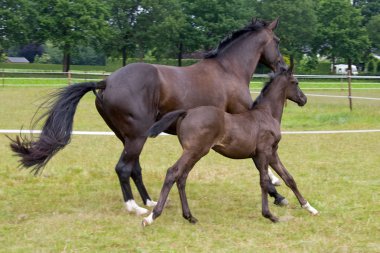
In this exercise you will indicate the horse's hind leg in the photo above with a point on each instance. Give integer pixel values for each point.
(137, 179)
(290, 182)
(126, 168)
(129, 166)
(278, 198)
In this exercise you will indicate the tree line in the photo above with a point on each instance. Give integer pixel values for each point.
(341, 30)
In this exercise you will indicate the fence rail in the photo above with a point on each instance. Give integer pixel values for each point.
(13, 77)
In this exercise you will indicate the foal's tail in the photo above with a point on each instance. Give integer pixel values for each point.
(56, 131)
(165, 122)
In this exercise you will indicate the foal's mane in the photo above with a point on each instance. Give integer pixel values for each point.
(272, 77)
(255, 25)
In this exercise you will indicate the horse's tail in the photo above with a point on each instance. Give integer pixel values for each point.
(56, 131)
(165, 122)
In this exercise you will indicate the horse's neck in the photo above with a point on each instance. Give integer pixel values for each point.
(242, 58)
(274, 100)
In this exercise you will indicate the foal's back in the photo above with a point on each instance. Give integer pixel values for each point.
(236, 136)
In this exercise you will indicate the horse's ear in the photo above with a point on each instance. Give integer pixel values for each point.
(254, 20)
(273, 25)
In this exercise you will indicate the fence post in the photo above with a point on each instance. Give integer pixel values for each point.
(69, 78)
(349, 88)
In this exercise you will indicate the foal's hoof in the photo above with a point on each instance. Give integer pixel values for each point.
(281, 202)
(144, 223)
(274, 219)
(147, 220)
(192, 219)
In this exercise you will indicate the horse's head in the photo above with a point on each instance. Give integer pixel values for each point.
(271, 56)
(292, 89)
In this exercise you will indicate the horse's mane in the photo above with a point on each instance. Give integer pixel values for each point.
(255, 25)
(272, 76)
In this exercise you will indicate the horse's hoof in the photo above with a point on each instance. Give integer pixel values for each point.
(151, 203)
(281, 202)
(276, 182)
(141, 211)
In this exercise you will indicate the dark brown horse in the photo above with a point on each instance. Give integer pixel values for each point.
(134, 97)
(252, 134)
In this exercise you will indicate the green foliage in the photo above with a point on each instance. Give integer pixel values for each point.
(67, 23)
(340, 34)
(371, 66)
(373, 28)
(169, 28)
(297, 27)
(308, 64)
(18, 23)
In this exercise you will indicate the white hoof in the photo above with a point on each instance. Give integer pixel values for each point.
(132, 207)
(311, 209)
(151, 203)
(284, 202)
(147, 220)
(274, 180)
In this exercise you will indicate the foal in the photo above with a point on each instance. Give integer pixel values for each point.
(253, 134)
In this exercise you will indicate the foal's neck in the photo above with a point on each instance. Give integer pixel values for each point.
(273, 98)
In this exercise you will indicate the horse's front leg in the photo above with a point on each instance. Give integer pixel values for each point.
(276, 164)
(261, 163)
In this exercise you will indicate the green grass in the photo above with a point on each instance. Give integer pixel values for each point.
(76, 205)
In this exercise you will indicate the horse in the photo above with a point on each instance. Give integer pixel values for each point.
(132, 98)
(252, 134)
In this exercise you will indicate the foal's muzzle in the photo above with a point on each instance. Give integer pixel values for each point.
(302, 101)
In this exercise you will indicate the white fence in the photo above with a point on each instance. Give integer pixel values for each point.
(30, 78)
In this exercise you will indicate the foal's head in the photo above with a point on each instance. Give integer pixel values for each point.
(291, 87)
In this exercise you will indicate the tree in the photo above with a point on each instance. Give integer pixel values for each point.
(369, 8)
(373, 28)
(297, 27)
(340, 31)
(67, 23)
(17, 23)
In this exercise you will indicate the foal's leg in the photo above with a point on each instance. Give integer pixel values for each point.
(183, 165)
(290, 182)
(181, 182)
(171, 176)
(261, 163)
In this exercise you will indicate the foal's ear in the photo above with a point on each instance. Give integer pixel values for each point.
(254, 20)
(290, 69)
(273, 25)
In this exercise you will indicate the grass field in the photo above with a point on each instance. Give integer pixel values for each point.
(76, 205)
